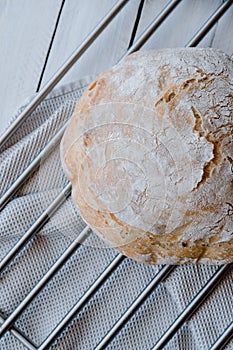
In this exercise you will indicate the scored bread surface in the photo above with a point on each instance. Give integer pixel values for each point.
(149, 153)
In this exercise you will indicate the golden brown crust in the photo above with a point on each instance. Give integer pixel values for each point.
(149, 153)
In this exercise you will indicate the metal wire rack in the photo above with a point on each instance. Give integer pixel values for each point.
(8, 323)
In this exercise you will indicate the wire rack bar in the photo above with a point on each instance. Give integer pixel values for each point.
(159, 277)
(44, 280)
(209, 23)
(18, 334)
(79, 305)
(192, 307)
(152, 27)
(43, 218)
(32, 167)
(62, 71)
(222, 341)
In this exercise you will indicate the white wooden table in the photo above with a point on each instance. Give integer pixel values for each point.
(36, 37)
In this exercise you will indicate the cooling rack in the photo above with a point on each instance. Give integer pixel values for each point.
(8, 323)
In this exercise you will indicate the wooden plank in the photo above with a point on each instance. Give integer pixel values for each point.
(26, 28)
(77, 20)
(180, 26)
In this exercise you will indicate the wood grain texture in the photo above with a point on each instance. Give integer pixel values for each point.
(180, 25)
(78, 19)
(26, 28)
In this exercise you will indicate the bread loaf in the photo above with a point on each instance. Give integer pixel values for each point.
(149, 153)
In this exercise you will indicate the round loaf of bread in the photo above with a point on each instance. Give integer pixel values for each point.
(149, 153)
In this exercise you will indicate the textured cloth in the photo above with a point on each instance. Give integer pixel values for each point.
(150, 321)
